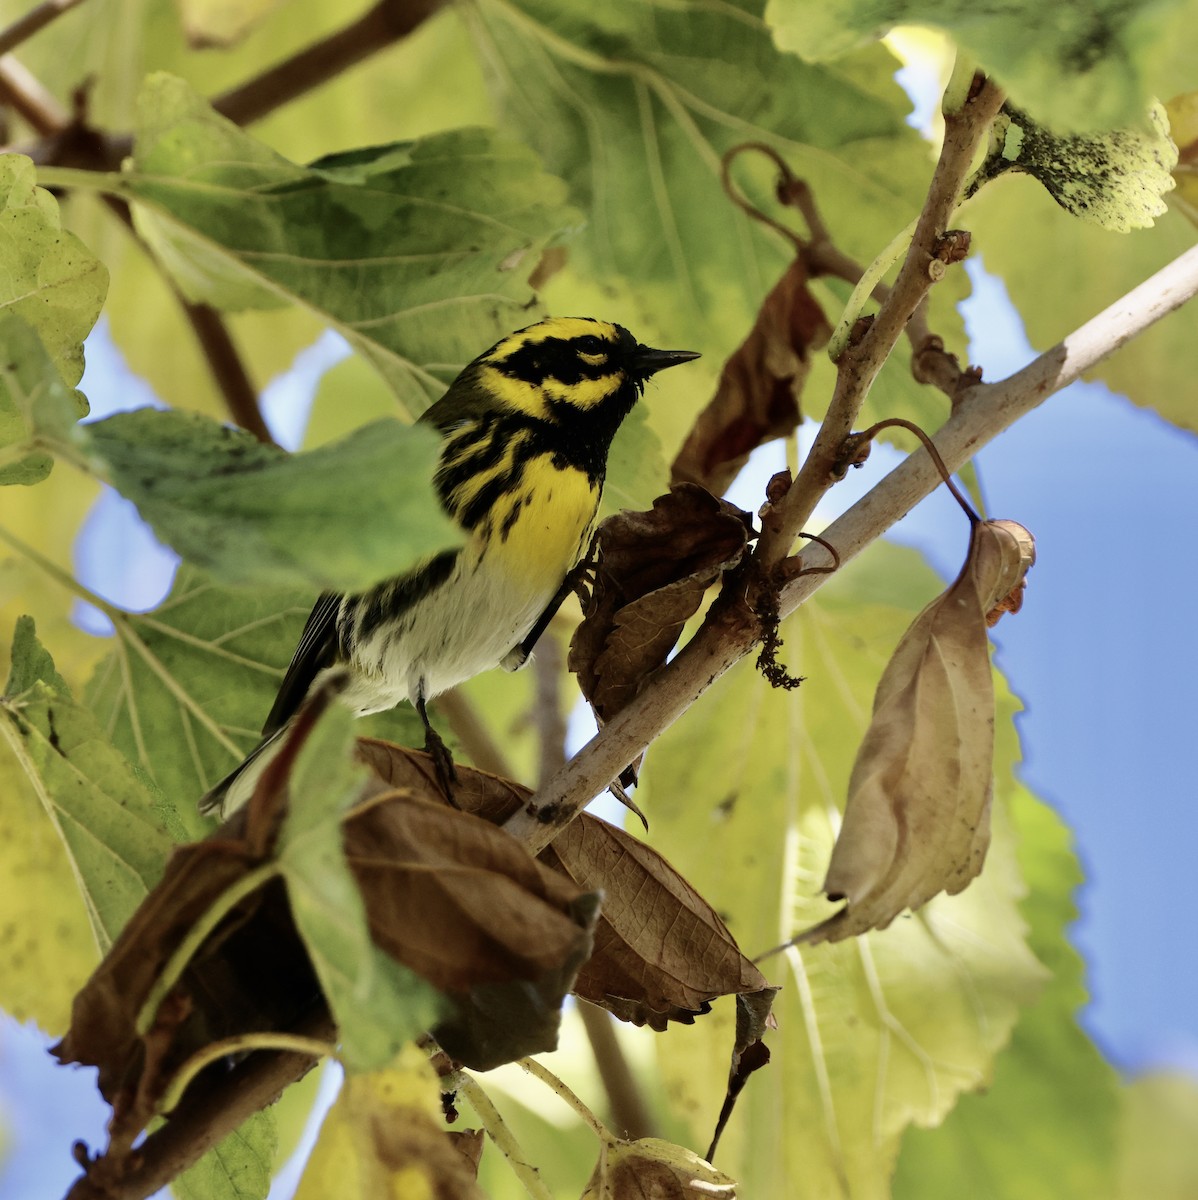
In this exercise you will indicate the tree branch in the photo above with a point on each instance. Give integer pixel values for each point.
(862, 360)
(730, 631)
(212, 1108)
(36, 19)
(388, 22)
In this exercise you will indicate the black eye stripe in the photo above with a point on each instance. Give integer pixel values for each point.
(558, 358)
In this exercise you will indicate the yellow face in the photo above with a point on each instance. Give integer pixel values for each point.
(563, 360)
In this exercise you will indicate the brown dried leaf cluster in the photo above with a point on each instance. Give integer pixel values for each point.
(917, 819)
(757, 398)
(652, 571)
(450, 896)
(661, 952)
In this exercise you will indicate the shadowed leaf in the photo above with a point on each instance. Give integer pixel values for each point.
(653, 570)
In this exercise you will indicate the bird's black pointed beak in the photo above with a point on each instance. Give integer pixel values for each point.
(646, 361)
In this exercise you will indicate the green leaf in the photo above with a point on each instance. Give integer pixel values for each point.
(1093, 66)
(102, 810)
(48, 277)
(1046, 1128)
(1018, 234)
(419, 253)
(378, 1005)
(1158, 1155)
(1115, 179)
(339, 518)
(47, 948)
(634, 105)
(37, 410)
(239, 1168)
(874, 1035)
(187, 687)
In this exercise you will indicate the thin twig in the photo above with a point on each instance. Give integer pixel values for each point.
(731, 631)
(548, 664)
(211, 1109)
(499, 1133)
(22, 91)
(226, 364)
(36, 19)
(388, 22)
(629, 1113)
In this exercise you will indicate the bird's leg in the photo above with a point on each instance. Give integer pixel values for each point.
(437, 750)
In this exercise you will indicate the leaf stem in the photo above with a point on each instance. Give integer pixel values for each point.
(500, 1134)
(241, 1044)
(65, 578)
(197, 935)
(870, 278)
(564, 1093)
(33, 21)
(111, 183)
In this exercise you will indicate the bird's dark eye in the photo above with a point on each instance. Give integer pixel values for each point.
(589, 344)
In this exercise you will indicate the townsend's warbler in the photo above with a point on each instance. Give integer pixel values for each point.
(527, 427)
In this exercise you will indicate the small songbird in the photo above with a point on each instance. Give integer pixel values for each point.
(526, 431)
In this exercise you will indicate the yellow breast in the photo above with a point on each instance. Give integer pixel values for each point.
(540, 530)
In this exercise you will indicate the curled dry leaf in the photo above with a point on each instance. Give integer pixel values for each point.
(652, 1169)
(917, 819)
(653, 569)
(448, 896)
(661, 952)
(757, 399)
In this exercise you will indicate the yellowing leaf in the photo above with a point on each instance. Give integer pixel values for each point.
(877, 1033)
(382, 1138)
(48, 277)
(917, 820)
(1183, 125)
(1115, 179)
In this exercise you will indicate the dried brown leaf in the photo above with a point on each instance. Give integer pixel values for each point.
(653, 570)
(661, 952)
(757, 398)
(448, 895)
(652, 1169)
(917, 819)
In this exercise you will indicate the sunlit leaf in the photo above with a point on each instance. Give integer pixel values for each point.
(1046, 1127)
(383, 1137)
(48, 277)
(239, 1168)
(1115, 179)
(1017, 229)
(378, 1005)
(1093, 66)
(403, 249)
(89, 792)
(37, 409)
(47, 947)
(646, 99)
(186, 687)
(875, 1034)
